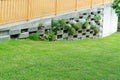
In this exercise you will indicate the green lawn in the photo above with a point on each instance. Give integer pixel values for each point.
(97, 59)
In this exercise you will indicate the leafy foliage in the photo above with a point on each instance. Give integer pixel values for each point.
(41, 26)
(72, 31)
(50, 35)
(78, 26)
(97, 17)
(95, 28)
(68, 26)
(116, 6)
(58, 24)
(34, 36)
(86, 24)
(62, 22)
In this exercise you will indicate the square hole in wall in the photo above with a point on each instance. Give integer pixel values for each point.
(47, 30)
(33, 32)
(98, 12)
(87, 36)
(94, 34)
(84, 13)
(81, 17)
(24, 30)
(83, 33)
(88, 30)
(14, 36)
(91, 32)
(75, 36)
(92, 13)
(92, 19)
(59, 36)
(71, 18)
(65, 31)
(80, 31)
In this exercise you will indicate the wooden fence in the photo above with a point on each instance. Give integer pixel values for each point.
(18, 10)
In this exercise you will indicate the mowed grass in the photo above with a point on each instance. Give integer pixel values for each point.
(97, 59)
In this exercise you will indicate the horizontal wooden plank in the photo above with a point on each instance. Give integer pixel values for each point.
(18, 10)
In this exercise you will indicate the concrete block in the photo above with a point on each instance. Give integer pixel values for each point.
(65, 35)
(7, 37)
(79, 35)
(79, 31)
(59, 32)
(75, 37)
(41, 32)
(16, 31)
(92, 16)
(83, 37)
(66, 15)
(46, 21)
(34, 23)
(70, 37)
(82, 12)
(24, 35)
(24, 26)
(59, 37)
(91, 36)
(4, 33)
(32, 29)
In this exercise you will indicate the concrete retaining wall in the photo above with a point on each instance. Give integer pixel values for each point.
(14, 30)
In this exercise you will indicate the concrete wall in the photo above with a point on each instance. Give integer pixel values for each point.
(110, 21)
(108, 27)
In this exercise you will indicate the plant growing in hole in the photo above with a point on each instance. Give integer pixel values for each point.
(82, 21)
(72, 31)
(24, 30)
(34, 36)
(97, 18)
(50, 35)
(89, 16)
(41, 26)
(62, 23)
(57, 25)
(86, 25)
(72, 22)
(68, 26)
(95, 29)
(78, 25)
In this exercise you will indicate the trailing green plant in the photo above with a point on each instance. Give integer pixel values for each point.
(50, 35)
(72, 31)
(116, 7)
(41, 26)
(82, 21)
(86, 25)
(97, 17)
(72, 22)
(24, 30)
(62, 23)
(68, 26)
(34, 36)
(95, 29)
(57, 24)
(89, 16)
(78, 26)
